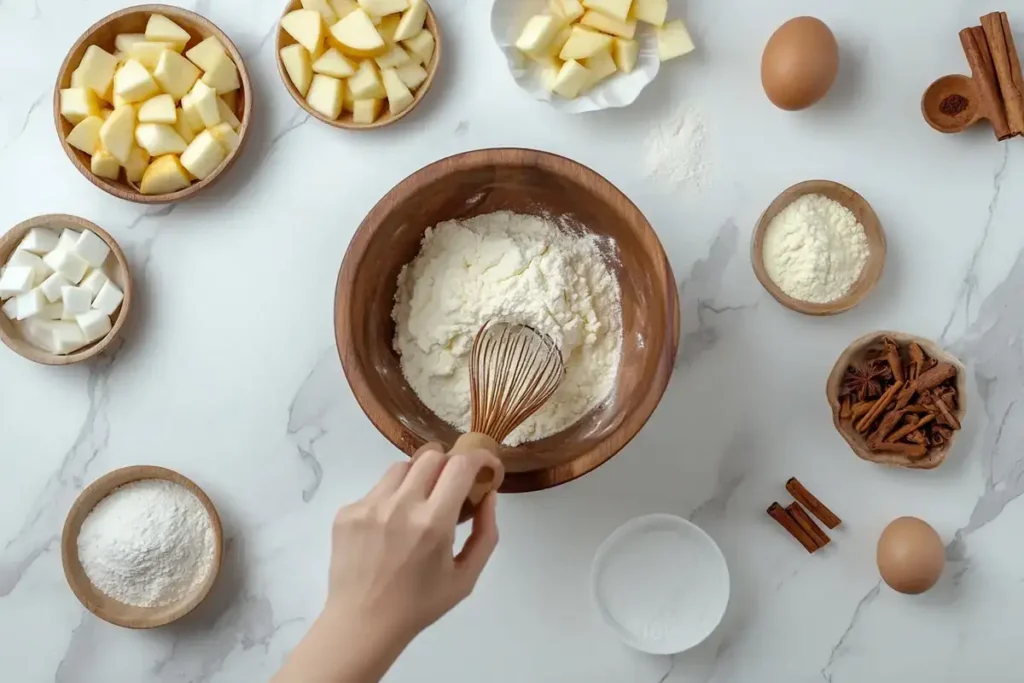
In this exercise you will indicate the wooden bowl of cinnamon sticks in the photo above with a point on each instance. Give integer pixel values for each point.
(898, 399)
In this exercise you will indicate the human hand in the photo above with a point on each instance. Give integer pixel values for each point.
(393, 568)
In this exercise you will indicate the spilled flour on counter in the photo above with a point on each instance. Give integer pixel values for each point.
(675, 151)
(519, 269)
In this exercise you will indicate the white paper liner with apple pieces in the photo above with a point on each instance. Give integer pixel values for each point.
(508, 17)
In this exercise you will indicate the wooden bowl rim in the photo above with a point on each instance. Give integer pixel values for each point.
(860, 345)
(347, 124)
(392, 428)
(75, 574)
(9, 242)
(869, 277)
(123, 190)
(930, 115)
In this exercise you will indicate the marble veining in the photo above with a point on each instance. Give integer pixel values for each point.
(228, 371)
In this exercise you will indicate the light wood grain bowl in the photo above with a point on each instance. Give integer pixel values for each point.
(522, 181)
(102, 605)
(953, 84)
(345, 121)
(858, 443)
(116, 267)
(865, 216)
(133, 20)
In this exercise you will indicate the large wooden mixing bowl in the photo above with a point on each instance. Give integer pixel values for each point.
(522, 181)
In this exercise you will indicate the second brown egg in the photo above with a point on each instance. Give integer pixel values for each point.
(799, 63)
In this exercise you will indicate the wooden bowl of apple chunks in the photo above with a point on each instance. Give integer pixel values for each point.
(579, 43)
(358, 64)
(65, 287)
(152, 104)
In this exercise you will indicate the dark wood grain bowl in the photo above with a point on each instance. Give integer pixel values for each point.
(857, 441)
(103, 606)
(133, 20)
(345, 121)
(522, 181)
(116, 267)
(865, 215)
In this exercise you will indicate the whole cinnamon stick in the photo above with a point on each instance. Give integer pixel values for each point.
(881, 404)
(805, 498)
(807, 524)
(1000, 45)
(908, 428)
(779, 514)
(911, 450)
(947, 414)
(984, 75)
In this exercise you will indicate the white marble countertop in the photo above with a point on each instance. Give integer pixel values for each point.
(229, 373)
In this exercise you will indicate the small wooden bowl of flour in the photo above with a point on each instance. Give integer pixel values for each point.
(852, 290)
(115, 535)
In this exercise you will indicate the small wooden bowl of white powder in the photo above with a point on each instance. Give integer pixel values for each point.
(818, 248)
(142, 546)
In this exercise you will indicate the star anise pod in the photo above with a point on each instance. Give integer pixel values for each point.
(864, 379)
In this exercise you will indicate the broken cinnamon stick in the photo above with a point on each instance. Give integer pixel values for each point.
(779, 514)
(911, 450)
(888, 423)
(819, 537)
(999, 46)
(984, 75)
(905, 430)
(947, 414)
(881, 404)
(815, 506)
(860, 409)
(844, 407)
(892, 356)
(916, 360)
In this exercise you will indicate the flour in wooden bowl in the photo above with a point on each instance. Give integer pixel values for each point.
(516, 268)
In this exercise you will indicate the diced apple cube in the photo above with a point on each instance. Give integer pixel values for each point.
(323, 8)
(538, 33)
(616, 9)
(333, 63)
(96, 70)
(223, 75)
(175, 74)
(226, 136)
(366, 111)
(626, 53)
(297, 65)
(203, 156)
(204, 98)
(393, 58)
(605, 24)
(203, 54)
(306, 26)
(673, 40)
(325, 96)
(399, 96)
(164, 176)
(190, 114)
(117, 133)
(159, 139)
(133, 83)
(549, 76)
(366, 84)
(650, 11)
(600, 66)
(584, 42)
(227, 114)
(382, 8)
(343, 8)
(357, 36)
(412, 21)
(388, 26)
(412, 75)
(105, 165)
(123, 41)
(159, 109)
(421, 45)
(77, 104)
(161, 29)
(148, 54)
(86, 135)
(138, 161)
(572, 79)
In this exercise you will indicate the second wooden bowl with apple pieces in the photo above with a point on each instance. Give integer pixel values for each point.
(130, 24)
(339, 59)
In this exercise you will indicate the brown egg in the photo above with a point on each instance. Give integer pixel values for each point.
(799, 63)
(911, 556)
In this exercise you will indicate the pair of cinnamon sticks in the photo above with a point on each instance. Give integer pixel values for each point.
(995, 66)
(798, 523)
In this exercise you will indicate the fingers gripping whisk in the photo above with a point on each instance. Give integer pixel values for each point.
(514, 370)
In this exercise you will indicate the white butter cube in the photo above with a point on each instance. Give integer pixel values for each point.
(76, 300)
(16, 280)
(10, 309)
(68, 239)
(91, 248)
(95, 325)
(94, 281)
(26, 259)
(109, 298)
(30, 304)
(67, 337)
(38, 333)
(67, 263)
(52, 285)
(39, 241)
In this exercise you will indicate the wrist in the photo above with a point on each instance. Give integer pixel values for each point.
(362, 647)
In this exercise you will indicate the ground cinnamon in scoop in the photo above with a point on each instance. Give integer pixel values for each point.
(952, 105)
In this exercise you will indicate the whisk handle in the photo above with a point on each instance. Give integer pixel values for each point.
(491, 472)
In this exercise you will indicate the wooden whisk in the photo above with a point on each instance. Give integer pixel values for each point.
(513, 371)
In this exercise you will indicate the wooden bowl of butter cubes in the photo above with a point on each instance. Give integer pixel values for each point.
(578, 44)
(65, 287)
(360, 64)
(152, 104)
